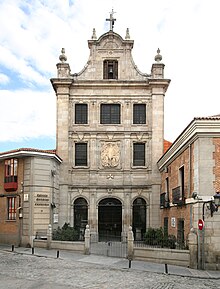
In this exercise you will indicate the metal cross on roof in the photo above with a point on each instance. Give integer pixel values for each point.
(112, 20)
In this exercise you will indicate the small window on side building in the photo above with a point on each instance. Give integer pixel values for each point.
(11, 208)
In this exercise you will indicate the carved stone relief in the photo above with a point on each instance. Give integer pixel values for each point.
(110, 154)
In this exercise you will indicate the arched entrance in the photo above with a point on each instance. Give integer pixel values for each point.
(109, 219)
(139, 218)
(80, 216)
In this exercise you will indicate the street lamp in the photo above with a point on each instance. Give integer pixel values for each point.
(217, 200)
(214, 204)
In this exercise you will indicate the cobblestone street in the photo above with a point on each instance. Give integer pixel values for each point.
(30, 271)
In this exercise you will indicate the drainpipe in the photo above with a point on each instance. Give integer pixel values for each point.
(189, 186)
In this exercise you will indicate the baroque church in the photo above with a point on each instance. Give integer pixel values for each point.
(110, 135)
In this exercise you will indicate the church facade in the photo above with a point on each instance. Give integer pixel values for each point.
(110, 133)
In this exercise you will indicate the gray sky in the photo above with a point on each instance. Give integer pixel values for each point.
(33, 32)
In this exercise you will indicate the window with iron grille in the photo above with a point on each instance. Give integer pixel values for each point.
(180, 233)
(139, 154)
(11, 208)
(139, 218)
(11, 166)
(139, 114)
(165, 226)
(80, 216)
(110, 114)
(81, 113)
(110, 69)
(81, 154)
(176, 195)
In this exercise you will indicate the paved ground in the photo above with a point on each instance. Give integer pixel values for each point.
(21, 269)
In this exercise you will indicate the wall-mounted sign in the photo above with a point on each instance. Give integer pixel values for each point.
(200, 224)
(42, 200)
(173, 222)
(55, 218)
(25, 197)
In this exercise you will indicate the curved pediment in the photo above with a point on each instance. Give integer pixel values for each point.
(111, 58)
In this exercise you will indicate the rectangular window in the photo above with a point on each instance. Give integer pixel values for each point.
(110, 114)
(11, 208)
(81, 154)
(139, 154)
(139, 114)
(110, 69)
(81, 113)
(11, 166)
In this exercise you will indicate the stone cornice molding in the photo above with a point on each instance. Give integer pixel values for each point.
(29, 153)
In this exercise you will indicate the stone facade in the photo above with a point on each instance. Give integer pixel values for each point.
(190, 167)
(110, 178)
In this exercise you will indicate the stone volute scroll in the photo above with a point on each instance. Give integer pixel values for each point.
(110, 154)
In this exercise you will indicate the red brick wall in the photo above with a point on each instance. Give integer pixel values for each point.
(178, 212)
(9, 230)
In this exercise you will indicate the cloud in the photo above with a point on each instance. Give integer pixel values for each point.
(33, 32)
(27, 114)
(4, 79)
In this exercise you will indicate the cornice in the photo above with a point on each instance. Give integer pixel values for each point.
(29, 153)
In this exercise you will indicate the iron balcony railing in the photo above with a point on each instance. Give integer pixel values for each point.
(164, 201)
(178, 196)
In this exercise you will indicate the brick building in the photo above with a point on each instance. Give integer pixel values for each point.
(28, 189)
(190, 171)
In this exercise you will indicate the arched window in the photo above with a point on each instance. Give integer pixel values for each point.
(80, 216)
(139, 218)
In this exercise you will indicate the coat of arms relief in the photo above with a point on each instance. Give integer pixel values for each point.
(110, 154)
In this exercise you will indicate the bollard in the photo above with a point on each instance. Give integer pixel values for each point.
(166, 269)
(58, 254)
(108, 248)
(12, 248)
(32, 250)
(129, 264)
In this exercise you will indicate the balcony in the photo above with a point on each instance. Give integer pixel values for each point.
(11, 183)
(178, 196)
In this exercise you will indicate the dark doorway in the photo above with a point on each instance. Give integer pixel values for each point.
(180, 233)
(139, 218)
(110, 219)
(80, 216)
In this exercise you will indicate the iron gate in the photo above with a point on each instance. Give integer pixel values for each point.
(111, 246)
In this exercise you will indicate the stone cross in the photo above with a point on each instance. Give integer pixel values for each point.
(112, 20)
